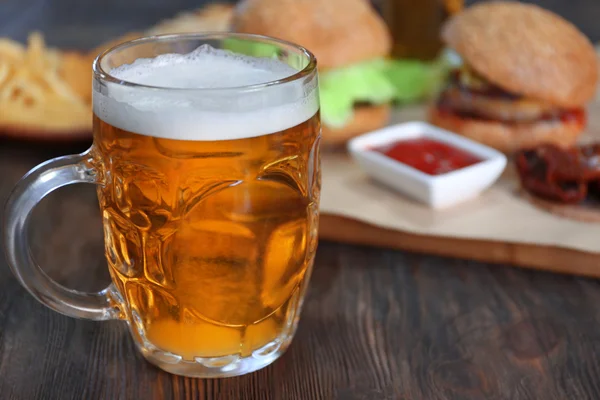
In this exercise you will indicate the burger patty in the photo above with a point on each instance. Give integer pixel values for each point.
(495, 107)
(470, 94)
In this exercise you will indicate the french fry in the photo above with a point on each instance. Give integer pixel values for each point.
(41, 90)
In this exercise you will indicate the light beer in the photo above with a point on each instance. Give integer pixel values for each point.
(209, 203)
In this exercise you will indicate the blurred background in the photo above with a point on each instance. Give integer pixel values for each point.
(81, 24)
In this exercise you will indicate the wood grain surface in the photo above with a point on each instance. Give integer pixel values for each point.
(377, 324)
(546, 258)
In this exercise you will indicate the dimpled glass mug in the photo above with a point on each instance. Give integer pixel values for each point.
(206, 159)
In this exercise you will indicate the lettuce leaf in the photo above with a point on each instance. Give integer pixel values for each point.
(263, 50)
(341, 88)
(250, 48)
(417, 80)
(376, 82)
(412, 80)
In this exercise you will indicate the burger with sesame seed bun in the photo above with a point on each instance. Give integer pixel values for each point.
(357, 79)
(524, 78)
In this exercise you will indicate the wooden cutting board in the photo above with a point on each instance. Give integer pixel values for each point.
(558, 259)
(548, 258)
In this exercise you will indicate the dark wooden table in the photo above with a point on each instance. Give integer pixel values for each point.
(377, 324)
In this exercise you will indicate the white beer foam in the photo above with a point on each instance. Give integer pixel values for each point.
(204, 114)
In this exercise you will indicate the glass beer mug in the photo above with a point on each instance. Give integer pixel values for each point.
(206, 159)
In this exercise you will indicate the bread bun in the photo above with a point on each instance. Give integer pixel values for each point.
(364, 119)
(508, 138)
(525, 50)
(337, 32)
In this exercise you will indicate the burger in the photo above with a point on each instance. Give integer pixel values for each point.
(524, 77)
(357, 79)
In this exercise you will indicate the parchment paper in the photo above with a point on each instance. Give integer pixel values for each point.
(499, 214)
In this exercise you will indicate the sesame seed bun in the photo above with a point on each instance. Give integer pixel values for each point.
(526, 50)
(364, 119)
(508, 138)
(337, 32)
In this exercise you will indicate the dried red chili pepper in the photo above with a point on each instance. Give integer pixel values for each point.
(553, 173)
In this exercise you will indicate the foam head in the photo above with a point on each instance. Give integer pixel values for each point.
(194, 96)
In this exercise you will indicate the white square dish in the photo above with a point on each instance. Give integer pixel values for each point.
(437, 191)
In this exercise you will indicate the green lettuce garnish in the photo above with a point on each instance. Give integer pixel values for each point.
(263, 50)
(342, 87)
(417, 80)
(376, 81)
(412, 80)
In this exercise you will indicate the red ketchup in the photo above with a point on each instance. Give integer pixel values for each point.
(428, 155)
(573, 116)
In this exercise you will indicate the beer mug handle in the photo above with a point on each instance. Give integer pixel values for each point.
(32, 188)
